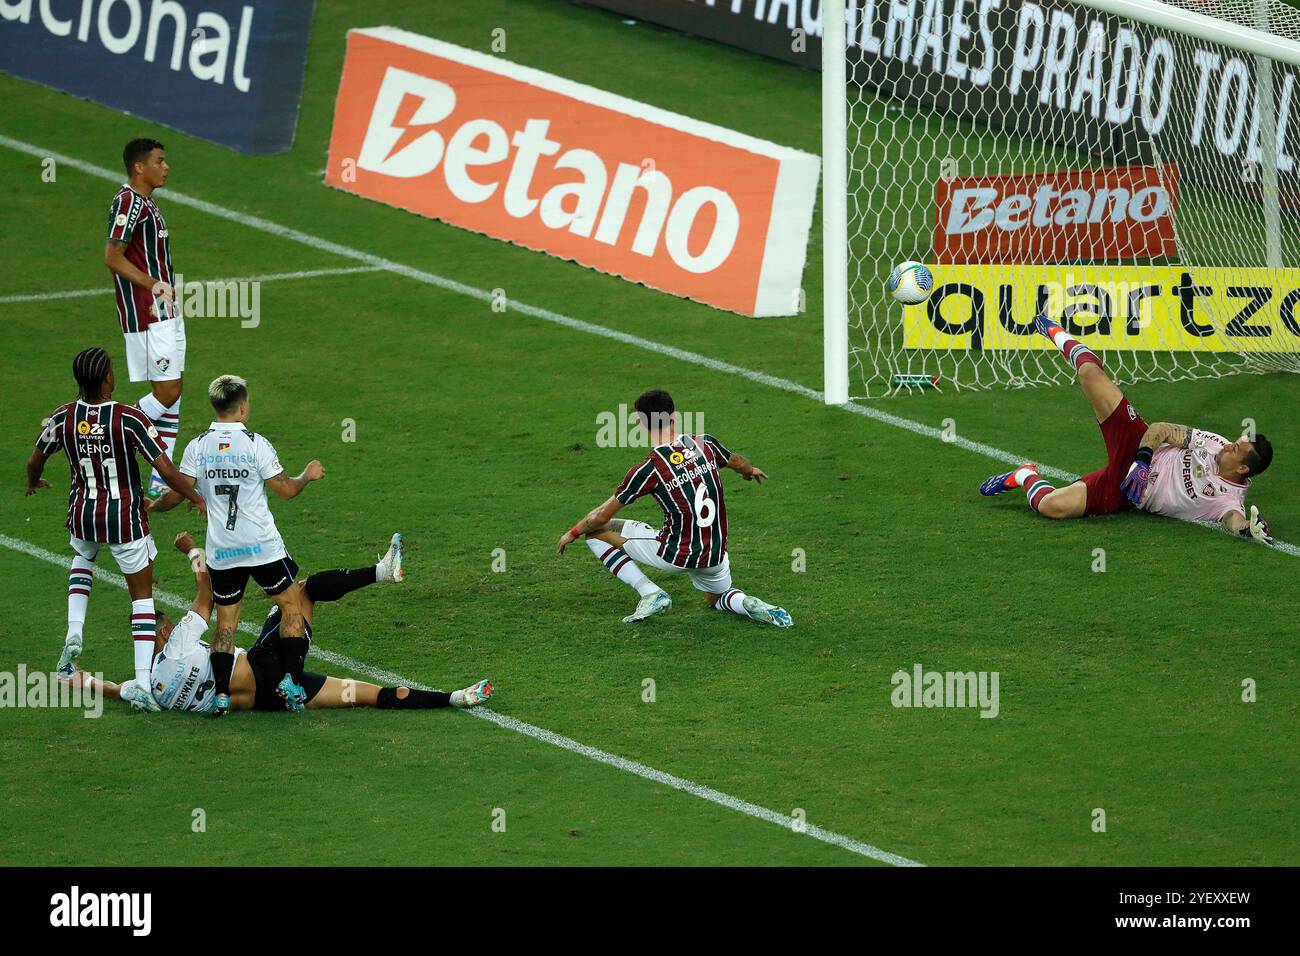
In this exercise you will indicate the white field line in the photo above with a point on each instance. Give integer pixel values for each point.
(107, 289)
(518, 726)
(451, 285)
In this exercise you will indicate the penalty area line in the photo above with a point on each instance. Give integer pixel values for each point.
(725, 800)
(451, 285)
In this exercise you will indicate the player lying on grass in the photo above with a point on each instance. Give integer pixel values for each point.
(682, 474)
(181, 678)
(1165, 469)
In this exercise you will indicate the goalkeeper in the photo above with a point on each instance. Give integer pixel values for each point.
(1162, 468)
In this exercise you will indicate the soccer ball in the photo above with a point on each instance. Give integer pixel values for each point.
(910, 282)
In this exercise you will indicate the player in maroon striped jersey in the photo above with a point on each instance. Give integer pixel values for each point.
(139, 256)
(683, 474)
(101, 439)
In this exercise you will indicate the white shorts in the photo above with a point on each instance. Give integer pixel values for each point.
(643, 548)
(131, 557)
(158, 353)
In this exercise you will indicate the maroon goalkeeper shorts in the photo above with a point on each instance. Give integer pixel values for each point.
(1122, 432)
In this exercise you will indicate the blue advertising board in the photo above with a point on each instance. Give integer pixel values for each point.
(229, 71)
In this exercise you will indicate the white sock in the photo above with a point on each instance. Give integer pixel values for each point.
(80, 581)
(166, 420)
(622, 567)
(151, 406)
(733, 601)
(1022, 475)
(144, 626)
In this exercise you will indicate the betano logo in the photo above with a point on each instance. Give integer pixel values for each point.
(1104, 213)
(567, 169)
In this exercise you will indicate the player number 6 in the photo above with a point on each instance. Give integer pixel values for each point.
(705, 509)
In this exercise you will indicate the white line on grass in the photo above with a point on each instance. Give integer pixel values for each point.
(518, 726)
(451, 285)
(107, 289)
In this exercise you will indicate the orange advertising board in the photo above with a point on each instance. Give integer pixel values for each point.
(686, 207)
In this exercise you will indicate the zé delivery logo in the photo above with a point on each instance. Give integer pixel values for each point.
(530, 158)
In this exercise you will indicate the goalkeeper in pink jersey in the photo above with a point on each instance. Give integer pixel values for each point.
(1165, 469)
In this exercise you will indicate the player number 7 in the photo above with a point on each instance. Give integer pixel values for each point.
(232, 492)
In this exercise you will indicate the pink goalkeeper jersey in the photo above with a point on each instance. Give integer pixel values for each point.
(1185, 482)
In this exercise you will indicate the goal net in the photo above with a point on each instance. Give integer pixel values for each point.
(1130, 168)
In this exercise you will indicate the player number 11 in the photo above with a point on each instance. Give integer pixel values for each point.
(110, 476)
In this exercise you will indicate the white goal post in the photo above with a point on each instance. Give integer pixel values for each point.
(1132, 167)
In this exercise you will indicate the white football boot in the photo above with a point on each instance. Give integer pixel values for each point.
(68, 659)
(472, 696)
(139, 697)
(649, 606)
(760, 610)
(389, 569)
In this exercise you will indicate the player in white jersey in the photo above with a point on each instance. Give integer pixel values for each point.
(182, 677)
(232, 467)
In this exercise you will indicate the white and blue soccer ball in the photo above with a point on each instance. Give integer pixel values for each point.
(910, 283)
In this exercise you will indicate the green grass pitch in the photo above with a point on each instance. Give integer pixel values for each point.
(476, 430)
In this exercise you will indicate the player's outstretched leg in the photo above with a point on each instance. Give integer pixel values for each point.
(1043, 497)
(335, 692)
(756, 609)
(333, 585)
(1104, 394)
(80, 581)
(654, 600)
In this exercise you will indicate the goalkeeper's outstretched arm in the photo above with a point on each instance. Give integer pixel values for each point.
(1234, 522)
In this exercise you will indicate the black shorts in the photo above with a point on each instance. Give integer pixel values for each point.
(264, 659)
(228, 583)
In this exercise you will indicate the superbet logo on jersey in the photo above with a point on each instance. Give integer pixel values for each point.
(1079, 215)
(527, 157)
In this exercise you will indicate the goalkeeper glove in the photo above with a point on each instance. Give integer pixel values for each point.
(1256, 528)
(1135, 482)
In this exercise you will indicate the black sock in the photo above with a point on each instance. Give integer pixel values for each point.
(222, 666)
(332, 585)
(414, 699)
(293, 653)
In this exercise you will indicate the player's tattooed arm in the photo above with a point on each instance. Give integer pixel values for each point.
(286, 487)
(741, 464)
(1166, 433)
(595, 520)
